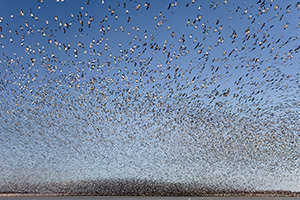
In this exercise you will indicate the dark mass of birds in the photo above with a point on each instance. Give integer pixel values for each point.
(197, 91)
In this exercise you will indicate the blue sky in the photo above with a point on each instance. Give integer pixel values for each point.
(170, 90)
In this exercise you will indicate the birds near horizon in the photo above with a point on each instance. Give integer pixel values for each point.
(171, 80)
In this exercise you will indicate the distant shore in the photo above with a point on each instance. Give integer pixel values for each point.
(254, 194)
(135, 187)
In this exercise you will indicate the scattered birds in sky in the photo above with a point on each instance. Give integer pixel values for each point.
(188, 86)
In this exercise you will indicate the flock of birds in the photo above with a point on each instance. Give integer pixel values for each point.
(179, 91)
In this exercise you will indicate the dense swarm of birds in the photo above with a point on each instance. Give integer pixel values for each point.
(135, 187)
(183, 92)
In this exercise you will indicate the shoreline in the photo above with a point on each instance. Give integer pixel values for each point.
(258, 194)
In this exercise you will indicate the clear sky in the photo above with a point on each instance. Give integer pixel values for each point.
(204, 91)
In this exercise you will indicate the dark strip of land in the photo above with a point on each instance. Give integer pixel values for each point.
(132, 187)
